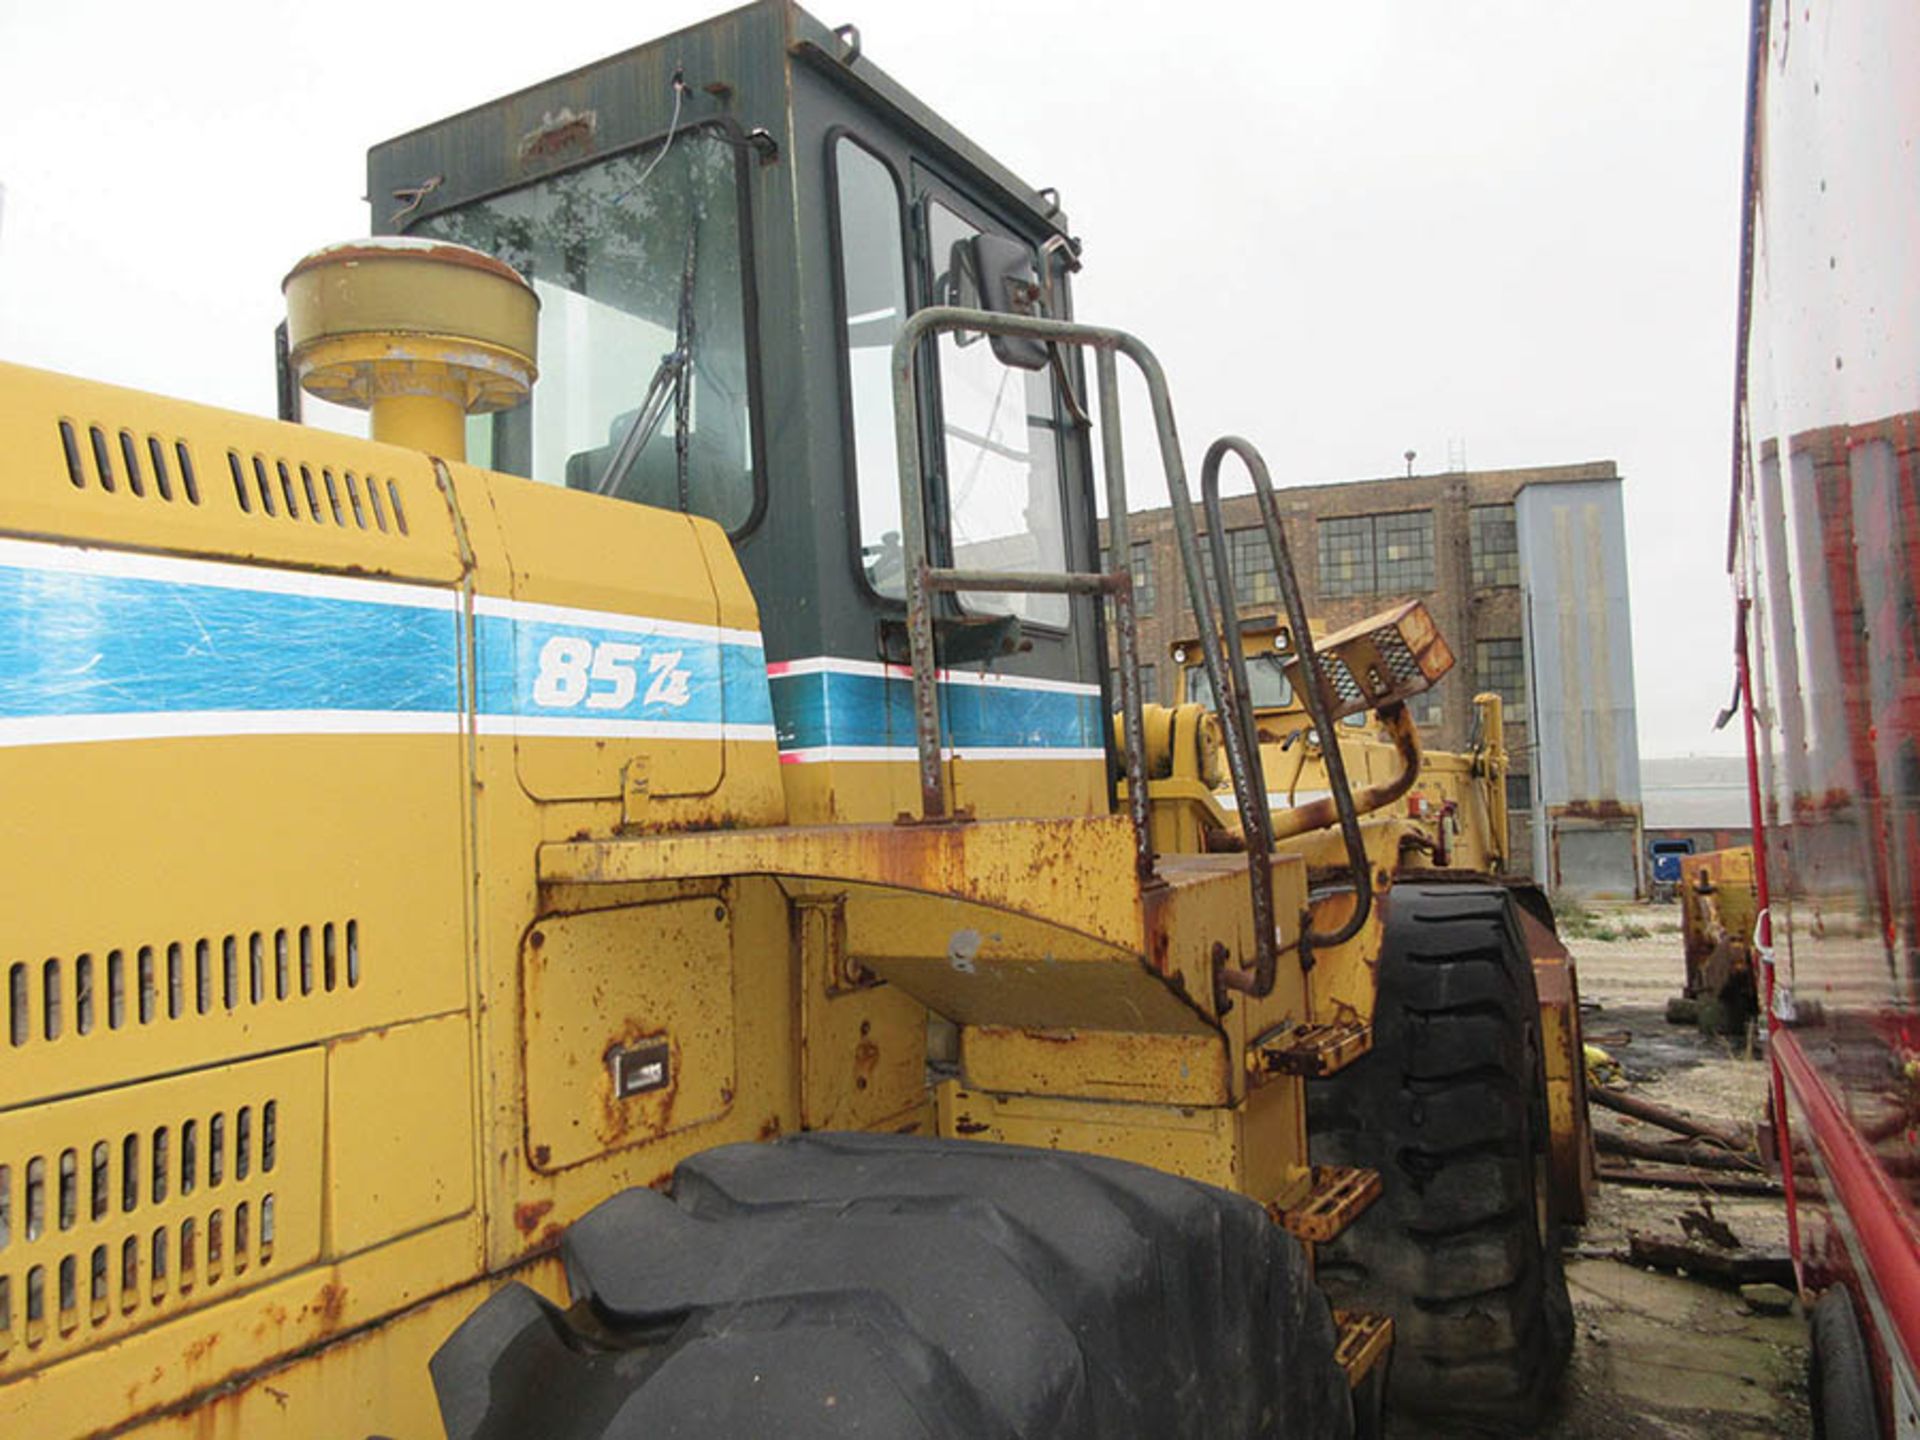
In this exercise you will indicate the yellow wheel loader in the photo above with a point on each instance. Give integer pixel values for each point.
(632, 901)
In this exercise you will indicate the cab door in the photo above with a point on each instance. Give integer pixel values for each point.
(1026, 727)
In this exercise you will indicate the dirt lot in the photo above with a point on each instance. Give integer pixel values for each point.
(1660, 1355)
(1656, 1354)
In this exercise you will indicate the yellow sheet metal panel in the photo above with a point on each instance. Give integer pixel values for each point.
(372, 1383)
(134, 1206)
(223, 1349)
(1273, 1127)
(626, 641)
(399, 1132)
(1188, 1069)
(1201, 1144)
(527, 1208)
(995, 788)
(119, 467)
(173, 903)
(863, 1042)
(628, 1027)
(1082, 869)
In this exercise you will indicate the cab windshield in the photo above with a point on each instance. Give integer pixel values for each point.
(1265, 675)
(643, 391)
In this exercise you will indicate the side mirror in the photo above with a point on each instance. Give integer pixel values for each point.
(993, 272)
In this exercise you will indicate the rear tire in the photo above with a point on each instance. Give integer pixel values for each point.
(1450, 1108)
(891, 1286)
(1840, 1387)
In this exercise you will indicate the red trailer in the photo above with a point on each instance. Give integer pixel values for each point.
(1825, 554)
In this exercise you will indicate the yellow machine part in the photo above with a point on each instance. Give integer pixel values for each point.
(335, 997)
(267, 974)
(1453, 819)
(340, 982)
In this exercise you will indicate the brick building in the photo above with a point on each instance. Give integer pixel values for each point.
(1451, 540)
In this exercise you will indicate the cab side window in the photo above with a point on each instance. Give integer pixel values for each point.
(873, 297)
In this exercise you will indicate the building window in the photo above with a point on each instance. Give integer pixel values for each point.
(1144, 591)
(1519, 792)
(1372, 554)
(1149, 685)
(1501, 666)
(1255, 582)
(1496, 546)
(1425, 708)
(1346, 556)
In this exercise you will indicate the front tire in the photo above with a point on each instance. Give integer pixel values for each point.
(890, 1286)
(1450, 1108)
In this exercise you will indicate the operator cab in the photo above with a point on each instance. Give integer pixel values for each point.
(726, 229)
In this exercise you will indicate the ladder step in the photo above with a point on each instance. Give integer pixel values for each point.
(1339, 1194)
(1314, 1050)
(1363, 1340)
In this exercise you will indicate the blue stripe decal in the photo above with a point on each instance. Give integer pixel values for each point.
(830, 708)
(91, 644)
(195, 638)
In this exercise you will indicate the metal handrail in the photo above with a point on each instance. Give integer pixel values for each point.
(923, 580)
(1313, 691)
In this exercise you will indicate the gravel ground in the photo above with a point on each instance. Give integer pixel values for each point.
(1655, 1354)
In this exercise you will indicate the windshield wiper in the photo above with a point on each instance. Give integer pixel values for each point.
(672, 382)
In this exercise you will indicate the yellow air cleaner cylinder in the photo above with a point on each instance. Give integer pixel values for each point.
(419, 332)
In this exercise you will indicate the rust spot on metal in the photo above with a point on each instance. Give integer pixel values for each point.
(551, 1235)
(1606, 810)
(542, 1155)
(769, 1128)
(1047, 1037)
(329, 1305)
(559, 131)
(383, 248)
(529, 1213)
(967, 1125)
(200, 1349)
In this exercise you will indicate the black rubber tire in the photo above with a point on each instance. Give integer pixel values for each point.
(1450, 1108)
(891, 1286)
(1840, 1387)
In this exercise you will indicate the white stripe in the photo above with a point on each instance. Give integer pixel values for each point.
(538, 613)
(1027, 752)
(831, 664)
(174, 570)
(191, 724)
(571, 727)
(819, 754)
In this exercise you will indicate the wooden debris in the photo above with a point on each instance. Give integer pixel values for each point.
(1677, 1178)
(1674, 1120)
(1734, 1267)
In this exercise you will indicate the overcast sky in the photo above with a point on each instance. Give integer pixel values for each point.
(1506, 229)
